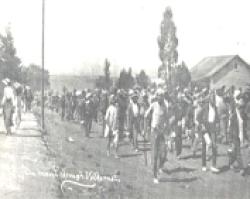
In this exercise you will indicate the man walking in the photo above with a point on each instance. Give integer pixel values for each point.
(158, 112)
(134, 120)
(103, 108)
(234, 129)
(88, 114)
(207, 118)
(63, 104)
(111, 119)
(8, 105)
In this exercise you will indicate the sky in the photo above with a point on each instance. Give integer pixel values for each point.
(80, 34)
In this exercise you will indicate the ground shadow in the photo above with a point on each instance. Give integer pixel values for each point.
(191, 156)
(246, 172)
(179, 169)
(124, 143)
(178, 179)
(129, 155)
(29, 120)
(222, 155)
(25, 135)
(186, 146)
(89, 137)
(144, 149)
(224, 169)
(29, 129)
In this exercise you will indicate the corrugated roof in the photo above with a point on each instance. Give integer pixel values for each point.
(209, 65)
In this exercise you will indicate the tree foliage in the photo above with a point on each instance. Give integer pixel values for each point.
(104, 81)
(107, 74)
(142, 79)
(126, 79)
(167, 42)
(10, 65)
(181, 76)
(99, 82)
(9, 62)
(32, 76)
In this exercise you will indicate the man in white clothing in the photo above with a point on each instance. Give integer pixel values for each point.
(111, 120)
(7, 103)
(158, 112)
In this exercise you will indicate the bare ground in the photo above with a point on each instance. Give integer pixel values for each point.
(181, 178)
(23, 156)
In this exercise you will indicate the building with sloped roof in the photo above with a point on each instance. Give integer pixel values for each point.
(219, 71)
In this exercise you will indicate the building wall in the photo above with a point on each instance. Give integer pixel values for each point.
(203, 83)
(236, 73)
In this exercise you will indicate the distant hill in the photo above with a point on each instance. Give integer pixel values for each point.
(57, 82)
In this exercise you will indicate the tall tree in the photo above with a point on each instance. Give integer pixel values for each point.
(142, 79)
(9, 62)
(167, 42)
(107, 74)
(104, 81)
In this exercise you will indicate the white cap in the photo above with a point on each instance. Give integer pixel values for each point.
(7, 80)
(131, 92)
(159, 91)
(88, 95)
(236, 93)
(4, 82)
(78, 93)
(17, 85)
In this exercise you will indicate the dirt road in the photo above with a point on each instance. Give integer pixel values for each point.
(24, 161)
(181, 178)
(65, 164)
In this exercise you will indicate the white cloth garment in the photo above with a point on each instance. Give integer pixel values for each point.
(240, 122)
(135, 109)
(111, 117)
(218, 101)
(8, 94)
(211, 114)
(159, 115)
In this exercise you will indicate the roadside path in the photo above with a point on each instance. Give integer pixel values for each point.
(23, 157)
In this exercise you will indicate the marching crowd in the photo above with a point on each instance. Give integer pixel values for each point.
(164, 117)
(16, 99)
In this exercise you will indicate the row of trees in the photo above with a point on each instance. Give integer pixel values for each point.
(180, 77)
(174, 74)
(11, 66)
(126, 79)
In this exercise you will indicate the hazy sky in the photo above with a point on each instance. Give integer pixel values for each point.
(81, 33)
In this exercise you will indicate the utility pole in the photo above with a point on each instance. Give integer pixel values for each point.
(43, 23)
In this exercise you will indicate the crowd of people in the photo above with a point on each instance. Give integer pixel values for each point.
(164, 117)
(16, 99)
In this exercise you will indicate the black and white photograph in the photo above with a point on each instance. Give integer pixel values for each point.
(124, 99)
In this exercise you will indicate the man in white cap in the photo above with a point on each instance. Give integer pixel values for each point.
(158, 112)
(134, 120)
(7, 103)
(88, 114)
